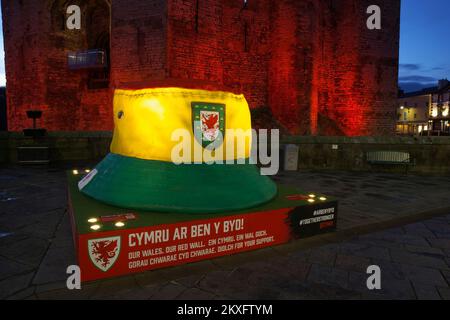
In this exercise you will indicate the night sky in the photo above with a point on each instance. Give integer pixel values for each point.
(424, 44)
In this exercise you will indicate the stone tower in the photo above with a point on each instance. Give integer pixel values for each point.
(313, 63)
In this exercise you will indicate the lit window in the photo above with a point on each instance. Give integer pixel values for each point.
(445, 112)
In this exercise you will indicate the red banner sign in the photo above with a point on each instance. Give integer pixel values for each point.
(115, 253)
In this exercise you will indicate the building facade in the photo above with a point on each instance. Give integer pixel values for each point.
(440, 109)
(413, 112)
(425, 112)
(313, 63)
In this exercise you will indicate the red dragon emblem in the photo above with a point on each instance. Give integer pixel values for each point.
(211, 122)
(104, 252)
(210, 125)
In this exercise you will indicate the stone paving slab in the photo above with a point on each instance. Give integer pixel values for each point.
(295, 275)
(379, 223)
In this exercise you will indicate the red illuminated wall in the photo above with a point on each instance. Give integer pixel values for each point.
(291, 64)
(36, 46)
(313, 63)
(218, 41)
(358, 68)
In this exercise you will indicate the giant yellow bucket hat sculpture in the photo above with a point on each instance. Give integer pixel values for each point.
(140, 173)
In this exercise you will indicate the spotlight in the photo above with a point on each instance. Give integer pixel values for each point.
(311, 200)
(119, 224)
(75, 172)
(93, 220)
(95, 227)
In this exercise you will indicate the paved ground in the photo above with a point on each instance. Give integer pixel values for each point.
(36, 246)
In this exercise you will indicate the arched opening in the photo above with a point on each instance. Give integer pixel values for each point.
(98, 34)
(90, 46)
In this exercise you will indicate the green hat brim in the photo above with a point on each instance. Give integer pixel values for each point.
(166, 187)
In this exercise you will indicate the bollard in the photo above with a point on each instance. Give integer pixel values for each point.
(290, 162)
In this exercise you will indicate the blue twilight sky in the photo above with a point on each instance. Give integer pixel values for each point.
(424, 44)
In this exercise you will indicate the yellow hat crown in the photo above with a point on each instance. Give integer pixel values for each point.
(146, 120)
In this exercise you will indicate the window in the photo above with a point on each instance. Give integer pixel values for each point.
(87, 59)
(405, 116)
(90, 49)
